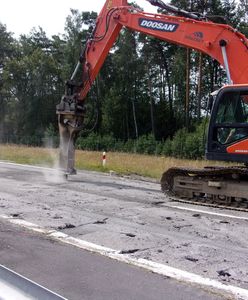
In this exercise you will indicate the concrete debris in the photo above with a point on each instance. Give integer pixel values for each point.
(56, 216)
(15, 215)
(223, 273)
(224, 222)
(182, 226)
(191, 258)
(104, 221)
(186, 244)
(130, 251)
(158, 202)
(196, 215)
(130, 235)
(66, 226)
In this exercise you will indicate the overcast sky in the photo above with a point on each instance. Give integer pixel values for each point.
(20, 16)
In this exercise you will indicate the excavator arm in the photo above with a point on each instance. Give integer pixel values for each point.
(220, 41)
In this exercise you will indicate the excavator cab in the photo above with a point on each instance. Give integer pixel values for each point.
(227, 141)
(228, 127)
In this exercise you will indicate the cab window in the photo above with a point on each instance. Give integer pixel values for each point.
(232, 109)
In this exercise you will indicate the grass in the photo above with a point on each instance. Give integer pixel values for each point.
(122, 163)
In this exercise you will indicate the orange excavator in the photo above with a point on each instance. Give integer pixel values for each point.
(228, 127)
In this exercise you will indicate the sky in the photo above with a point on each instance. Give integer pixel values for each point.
(20, 16)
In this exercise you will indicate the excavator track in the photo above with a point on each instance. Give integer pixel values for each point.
(222, 187)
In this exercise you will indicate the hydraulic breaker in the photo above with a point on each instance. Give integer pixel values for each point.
(70, 113)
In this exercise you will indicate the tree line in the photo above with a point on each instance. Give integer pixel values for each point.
(147, 87)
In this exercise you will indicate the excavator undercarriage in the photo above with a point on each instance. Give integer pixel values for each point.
(217, 186)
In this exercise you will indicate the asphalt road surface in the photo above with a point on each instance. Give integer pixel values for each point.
(128, 214)
(77, 274)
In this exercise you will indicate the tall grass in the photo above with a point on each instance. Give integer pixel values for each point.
(122, 163)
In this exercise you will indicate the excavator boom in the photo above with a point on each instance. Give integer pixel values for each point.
(222, 42)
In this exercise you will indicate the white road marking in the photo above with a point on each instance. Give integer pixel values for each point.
(237, 292)
(207, 212)
(26, 166)
(9, 291)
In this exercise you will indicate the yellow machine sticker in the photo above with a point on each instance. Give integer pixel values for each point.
(110, 4)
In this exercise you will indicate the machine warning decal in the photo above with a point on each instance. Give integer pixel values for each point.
(196, 36)
(158, 25)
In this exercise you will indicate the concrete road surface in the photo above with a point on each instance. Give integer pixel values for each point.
(132, 215)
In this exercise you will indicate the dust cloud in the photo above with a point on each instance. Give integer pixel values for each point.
(54, 174)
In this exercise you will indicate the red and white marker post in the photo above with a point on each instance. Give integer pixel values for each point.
(104, 159)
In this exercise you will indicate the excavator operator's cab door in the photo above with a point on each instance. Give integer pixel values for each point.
(228, 128)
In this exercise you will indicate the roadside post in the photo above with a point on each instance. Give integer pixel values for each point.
(104, 159)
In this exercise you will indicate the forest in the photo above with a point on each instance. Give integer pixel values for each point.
(150, 96)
